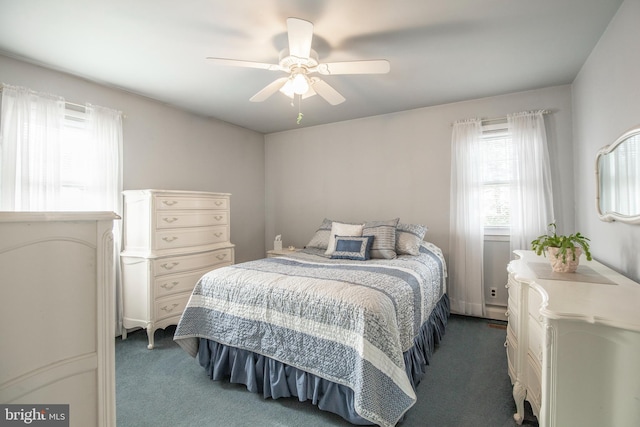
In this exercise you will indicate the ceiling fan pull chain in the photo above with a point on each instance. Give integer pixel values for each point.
(299, 109)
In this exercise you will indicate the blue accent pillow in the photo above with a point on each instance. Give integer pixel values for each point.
(356, 248)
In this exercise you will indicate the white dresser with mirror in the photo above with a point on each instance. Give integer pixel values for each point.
(573, 343)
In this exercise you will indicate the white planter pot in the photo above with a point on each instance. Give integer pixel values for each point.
(561, 266)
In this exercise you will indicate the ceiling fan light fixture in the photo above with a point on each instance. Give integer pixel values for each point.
(287, 88)
(299, 84)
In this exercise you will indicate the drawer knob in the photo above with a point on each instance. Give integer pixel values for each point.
(169, 309)
(506, 313)
(506, 344)
(218, 202)
(170, 220)
(218, 217)
(169, 239)
(169, 286)
(221, 256)
(218, 235)
(169, 266)
(169, 202)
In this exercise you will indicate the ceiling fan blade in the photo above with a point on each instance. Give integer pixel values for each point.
(300, 36)
(269, 90)
(309, 93)
(373, 66)
(247, 64)
(327, 92)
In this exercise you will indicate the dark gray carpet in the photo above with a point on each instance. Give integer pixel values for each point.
(466, 385)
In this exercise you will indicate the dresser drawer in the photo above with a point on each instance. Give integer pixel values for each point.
(513, 318)
(513, 289)
(180, 203)
(535, 304)
(171, 306)
(181, 219)
(190, 237)
(176, 283)
(511, 345)
(187, 263)
(534, 384)
(513, 302)
(535, 339)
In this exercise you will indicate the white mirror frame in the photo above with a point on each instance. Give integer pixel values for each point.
(613, 216)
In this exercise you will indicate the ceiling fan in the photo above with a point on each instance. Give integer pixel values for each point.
(300, 62)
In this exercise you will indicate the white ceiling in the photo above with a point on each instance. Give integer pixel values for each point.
(440, 51)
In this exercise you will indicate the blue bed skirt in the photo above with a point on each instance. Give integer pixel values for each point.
(275, 379)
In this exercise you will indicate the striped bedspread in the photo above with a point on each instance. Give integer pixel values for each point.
(346, 321)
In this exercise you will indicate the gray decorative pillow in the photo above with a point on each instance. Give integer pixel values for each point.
(384, 242)
(408, 238)
(321, 238)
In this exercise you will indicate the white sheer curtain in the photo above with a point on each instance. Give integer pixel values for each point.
(105, 129)
(531, 192)
(466, 246)
(30, 131)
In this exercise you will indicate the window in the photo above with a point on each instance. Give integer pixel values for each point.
(57, 156)
(496, 178)
(75, 169)
(490, 166)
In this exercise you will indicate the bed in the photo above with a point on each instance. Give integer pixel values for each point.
(351, 330)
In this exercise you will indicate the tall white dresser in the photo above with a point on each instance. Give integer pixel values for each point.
(57, 318)
(170, 240)
(573, 343)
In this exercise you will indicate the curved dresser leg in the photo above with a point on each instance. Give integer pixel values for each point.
(519, 393)
(150, 331)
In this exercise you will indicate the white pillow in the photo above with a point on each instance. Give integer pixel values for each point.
(340, 229)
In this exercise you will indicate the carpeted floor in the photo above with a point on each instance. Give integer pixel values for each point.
(466, 385)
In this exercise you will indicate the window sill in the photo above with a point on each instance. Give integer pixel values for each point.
(497, 234)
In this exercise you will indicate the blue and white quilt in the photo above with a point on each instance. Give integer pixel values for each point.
(346, 321)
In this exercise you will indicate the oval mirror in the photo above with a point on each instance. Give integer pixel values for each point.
(618, 179)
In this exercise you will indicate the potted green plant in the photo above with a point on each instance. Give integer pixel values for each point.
(564, 250)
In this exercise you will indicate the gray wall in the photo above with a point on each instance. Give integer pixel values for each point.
(167, 148)
(378, 167)
(606, 103)
(395, 165)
